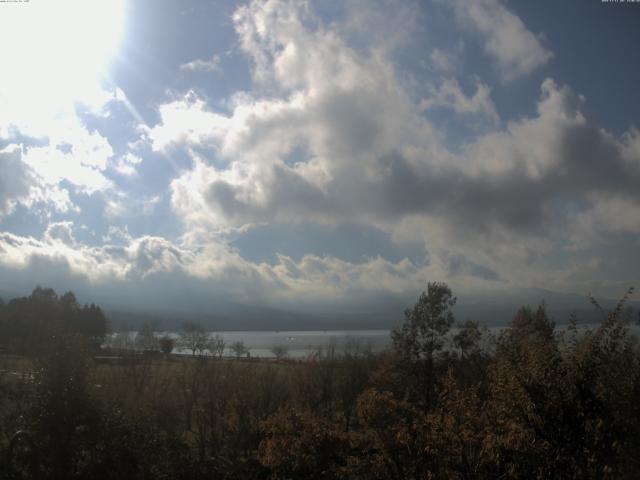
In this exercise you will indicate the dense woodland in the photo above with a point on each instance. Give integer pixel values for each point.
(533, 402)
(28, 324)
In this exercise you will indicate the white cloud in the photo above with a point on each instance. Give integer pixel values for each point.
(606, 216)
(60, 232)
(213, 266)
(506, 39)
(117, 235)
(446, 62)
(450, 95)
(199, 65)
(328, 134)
(22, 253)
(186, 121)
(53, 146)
(494, 209)
(345, 111)
(21, 184)
(533, 146)
(127, 163)
(126, 205)
(15, 179)
(53, 165)
(385, 26)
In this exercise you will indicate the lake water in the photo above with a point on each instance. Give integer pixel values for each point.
(299, 344)
(302, 344)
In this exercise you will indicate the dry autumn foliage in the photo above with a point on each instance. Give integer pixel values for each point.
(535, 402)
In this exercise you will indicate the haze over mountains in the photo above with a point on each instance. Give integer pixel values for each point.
(381, 312)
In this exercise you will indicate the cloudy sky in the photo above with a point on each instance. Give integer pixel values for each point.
(313, 154)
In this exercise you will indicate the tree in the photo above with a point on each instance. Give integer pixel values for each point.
(280, 351)
(468, 337)
(217, 345)
(166, 344)
(93, 324)
(121, 341)
(303, 444)
(529, 326)
(239, 349)
(66, 415)
(146, 339)
(426, 324)
(194, 337)
(29, 323)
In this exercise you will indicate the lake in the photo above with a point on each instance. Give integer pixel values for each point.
(299, 344)
(302, 344)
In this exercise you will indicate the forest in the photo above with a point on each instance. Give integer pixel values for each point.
(533, 401)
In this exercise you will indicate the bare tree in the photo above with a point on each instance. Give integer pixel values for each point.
(239, 349)
(166, 344)
(121, 341)
(217, 345)
(146, 339)
(194, 337)
(280, 351)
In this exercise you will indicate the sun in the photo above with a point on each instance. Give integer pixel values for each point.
(56, 52)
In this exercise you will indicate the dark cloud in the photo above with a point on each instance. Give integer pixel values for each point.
(349, 242)
(460, 265)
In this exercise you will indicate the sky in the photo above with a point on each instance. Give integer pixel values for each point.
(318, 155)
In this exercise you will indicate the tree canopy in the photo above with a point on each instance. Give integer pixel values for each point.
(27, 324)
(426, 324)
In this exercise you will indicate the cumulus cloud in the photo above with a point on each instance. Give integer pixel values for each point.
(158, 262)
(534, 178)
(334, 137)
(368, 154)
(186, 121)
(60, 232)
(54, 165)
(331, 134)
(124, 205)
(449, 95)
(506, 39)
(126, 164)
(49, 156)
(15, 180)
(346, 112)
(22, 184)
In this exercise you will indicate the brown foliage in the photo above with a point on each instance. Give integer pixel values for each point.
(537, 404)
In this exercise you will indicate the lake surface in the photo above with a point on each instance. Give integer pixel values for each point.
(299, 344)
(303, 344)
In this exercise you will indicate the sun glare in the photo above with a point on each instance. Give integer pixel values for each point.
(55, 52)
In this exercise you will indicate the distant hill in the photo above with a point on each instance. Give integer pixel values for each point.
(385, 314)
(6, 295)
(257, 319)
(380, 312)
